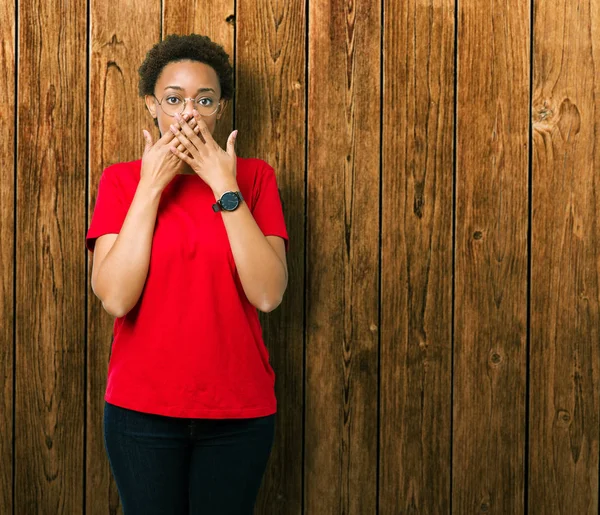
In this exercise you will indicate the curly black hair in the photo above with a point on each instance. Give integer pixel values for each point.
(192, 47)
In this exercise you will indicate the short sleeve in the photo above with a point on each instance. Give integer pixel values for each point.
(267, 208)
(109, 211)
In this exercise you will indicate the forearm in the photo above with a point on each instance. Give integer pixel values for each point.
(262, 273)
(122, 274)
(261, 268)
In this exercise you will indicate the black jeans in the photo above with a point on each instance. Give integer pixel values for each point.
(177, 466)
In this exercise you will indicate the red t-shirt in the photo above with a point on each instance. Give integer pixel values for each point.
(192, 346)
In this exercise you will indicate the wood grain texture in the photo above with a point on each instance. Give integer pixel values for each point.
(50, 270)
(212, 18)
(117, 117)
(416, 268)
(491, 257)
(342, 257)
(565, 381)
(7, 228)
(270, 116)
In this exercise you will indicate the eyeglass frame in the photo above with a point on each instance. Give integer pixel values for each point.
(185, 101)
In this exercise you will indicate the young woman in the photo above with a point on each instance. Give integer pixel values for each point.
(188, 243)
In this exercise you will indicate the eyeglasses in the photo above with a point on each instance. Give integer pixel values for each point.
(173, 104)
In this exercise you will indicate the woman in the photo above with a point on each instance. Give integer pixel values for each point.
(188, 243)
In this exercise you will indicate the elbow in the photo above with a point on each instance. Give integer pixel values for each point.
(267, 307)
(270, 300)
(115, 310)
(114, 307)
(114, 303)
(268, 303)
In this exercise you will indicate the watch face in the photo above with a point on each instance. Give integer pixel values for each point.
(229, 201)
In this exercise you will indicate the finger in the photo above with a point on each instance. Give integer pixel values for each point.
(193, 137)
(148, 140)
(231, 143)
(194, 126)
(204, 130)
(182, 138)
(192, 123)
(182, 156)
(165, 138)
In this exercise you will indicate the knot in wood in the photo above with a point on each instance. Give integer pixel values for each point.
(563, 416)
(544, 112)
(569, 120)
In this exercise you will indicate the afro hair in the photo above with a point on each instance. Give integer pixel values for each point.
(192, 47)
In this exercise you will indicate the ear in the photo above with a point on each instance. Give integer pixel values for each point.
(222, 106)
(151, 105)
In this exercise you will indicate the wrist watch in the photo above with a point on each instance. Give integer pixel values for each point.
(229, 201)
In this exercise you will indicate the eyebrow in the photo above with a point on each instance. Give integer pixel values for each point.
(200, 90)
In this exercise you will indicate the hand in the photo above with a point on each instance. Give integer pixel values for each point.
(159, 165)
(210, 162)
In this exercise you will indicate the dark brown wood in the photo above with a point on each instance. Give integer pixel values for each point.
(270, 116)
(565, 380)
(491, 257)
(50, 262)
(343, 257)
(416, 267)
(117, 117)
(212, 18)
(7, 228)
(325, 454)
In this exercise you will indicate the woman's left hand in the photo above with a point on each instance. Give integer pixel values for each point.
(207, 159)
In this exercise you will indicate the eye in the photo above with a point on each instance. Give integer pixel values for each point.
(173, 100)
(205, 101)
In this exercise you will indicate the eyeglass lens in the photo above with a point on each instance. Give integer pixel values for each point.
(173, 104)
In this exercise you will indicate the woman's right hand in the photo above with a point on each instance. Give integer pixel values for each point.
(159, 164)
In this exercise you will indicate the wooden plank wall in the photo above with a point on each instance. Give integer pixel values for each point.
(490, 301)
(439, 162)
(7, 230)
(50, 286)
(416, 257)
(565, 355)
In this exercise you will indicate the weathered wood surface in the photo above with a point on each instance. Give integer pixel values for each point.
(271, 85)
(50, 261)
(342, 257)
(490, 348)
(565, 382)
(7, 229)
(416, 258)
(409, 398)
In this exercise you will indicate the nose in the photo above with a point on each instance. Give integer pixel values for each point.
(188, 106)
